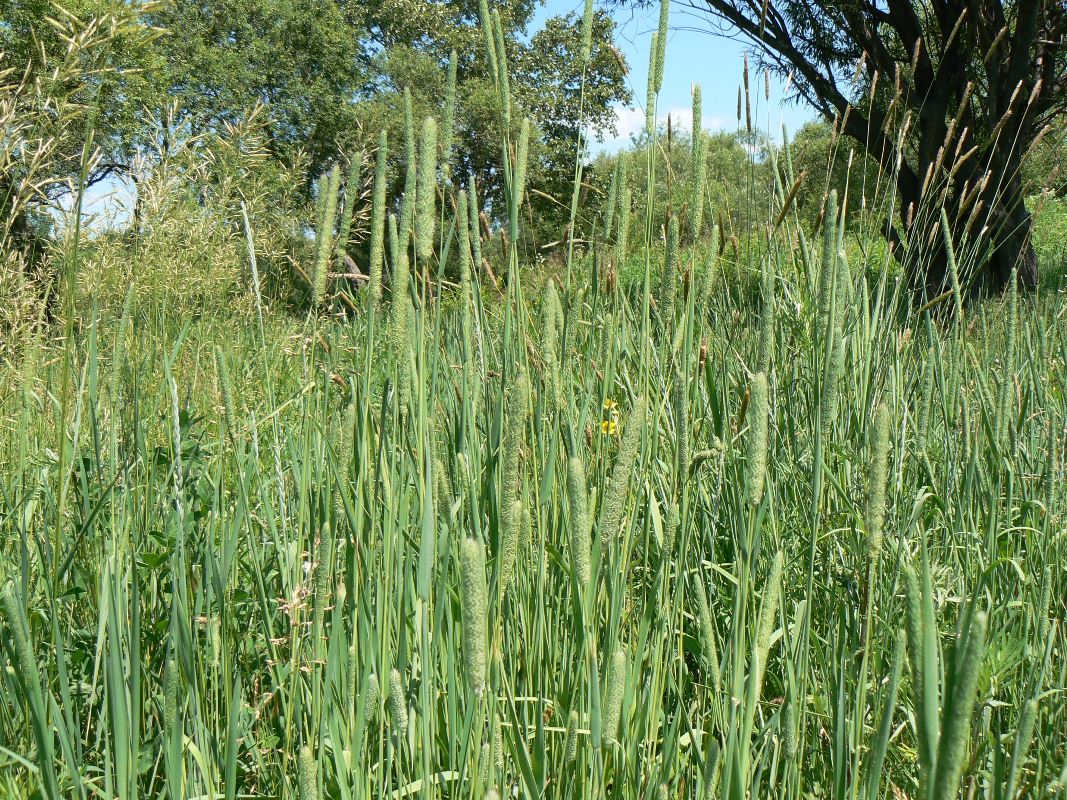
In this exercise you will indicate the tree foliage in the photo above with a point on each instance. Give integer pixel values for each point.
(412, 48)
(323, 77)
(563, 99)
(303, 60)
(88, 63)
(948, 95)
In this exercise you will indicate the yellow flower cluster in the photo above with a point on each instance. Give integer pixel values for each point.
(610, 424)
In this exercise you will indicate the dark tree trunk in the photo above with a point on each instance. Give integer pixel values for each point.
(991, 233)
(934, 279)
(1013, 249)
(927, 272)
(919, 245)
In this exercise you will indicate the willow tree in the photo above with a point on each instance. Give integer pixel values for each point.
(948, 95)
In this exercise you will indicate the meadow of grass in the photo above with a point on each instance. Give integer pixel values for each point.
(737, 524)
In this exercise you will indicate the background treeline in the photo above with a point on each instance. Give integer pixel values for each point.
(211, 112)
(205, 109)
(319, 79)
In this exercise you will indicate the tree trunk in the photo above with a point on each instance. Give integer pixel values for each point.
(929, 266)
(1011, 227)
(1003, 222)
(923, 255)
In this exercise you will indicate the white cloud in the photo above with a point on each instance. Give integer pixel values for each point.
(630, 123)
(682, 120)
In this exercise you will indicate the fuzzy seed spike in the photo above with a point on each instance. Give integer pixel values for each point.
(344, 226)
(571, 752)
(653, 89)
(377, 220)
(579, 503)
(956, 727)
(709, 649)
(614, 694)
(661, 44)
(324, 236)
(622, 240)
(766, 334)
(669, 280)
(618, 489)
(913, 604)
(522, 155)
(699, 168)
(475, 610)
(426, 192)
(876, 483)
(398, 704)
(587, 32)
(756, 451)
(551, 323)
(309, 782)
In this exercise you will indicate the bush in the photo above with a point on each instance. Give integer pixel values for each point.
(1050, 233)
(185, 250)
(21, 302)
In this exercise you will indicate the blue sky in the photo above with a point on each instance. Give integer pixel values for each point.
(694, 55)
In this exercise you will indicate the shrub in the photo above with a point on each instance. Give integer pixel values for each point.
(1050, 234)
(185, 250)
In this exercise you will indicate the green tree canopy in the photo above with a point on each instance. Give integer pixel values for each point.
(562, 99)
(96, 61)
(326, 76)
(303, 60)
(411, 45)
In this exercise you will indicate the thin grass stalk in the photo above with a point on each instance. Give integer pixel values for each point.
(377, 221)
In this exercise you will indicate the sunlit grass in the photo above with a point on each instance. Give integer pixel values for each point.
(688, 536)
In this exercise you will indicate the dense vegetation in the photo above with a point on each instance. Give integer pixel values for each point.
(952, 96)
(320, 78)
(349, 492)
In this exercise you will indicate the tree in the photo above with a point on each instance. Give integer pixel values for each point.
(71, 84)
(563, 99)
(303, 60)
(65, 73)
(948, 96)
(412, 45)
(320, 70)
(738, 177)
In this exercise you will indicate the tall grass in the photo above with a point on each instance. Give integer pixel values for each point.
(575, 542)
